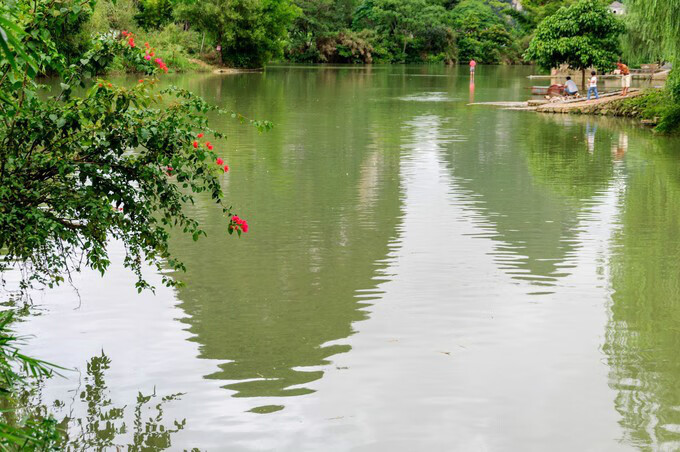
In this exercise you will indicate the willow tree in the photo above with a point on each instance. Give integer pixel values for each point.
(583, 35)
(655, 27)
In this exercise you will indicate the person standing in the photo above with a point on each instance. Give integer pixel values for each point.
(626, 78)
(473, 63)
(592, 86)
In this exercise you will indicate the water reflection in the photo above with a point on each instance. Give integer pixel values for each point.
(535, 228)
(479, 242)
(92, 420)
(591, 130)
(275, 305)
(643, 334)
(619, 151)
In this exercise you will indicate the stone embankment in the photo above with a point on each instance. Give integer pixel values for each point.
(606, 105)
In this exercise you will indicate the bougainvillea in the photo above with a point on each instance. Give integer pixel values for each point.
(113, 163)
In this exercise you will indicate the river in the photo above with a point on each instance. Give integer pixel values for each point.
(419, 274)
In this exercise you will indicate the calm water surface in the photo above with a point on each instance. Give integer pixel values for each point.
(420, 275)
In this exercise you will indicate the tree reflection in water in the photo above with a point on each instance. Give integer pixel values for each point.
(642, 341)
(104, 425)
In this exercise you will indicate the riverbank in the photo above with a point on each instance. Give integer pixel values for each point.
(647, 106)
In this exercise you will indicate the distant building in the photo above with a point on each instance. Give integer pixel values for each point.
(617, 8)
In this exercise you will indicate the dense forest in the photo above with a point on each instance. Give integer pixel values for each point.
(250, 33)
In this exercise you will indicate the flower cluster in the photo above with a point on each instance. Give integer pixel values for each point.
(161, 64)
(219, 161)
(130, 38)
(148, 52)
(238, 224)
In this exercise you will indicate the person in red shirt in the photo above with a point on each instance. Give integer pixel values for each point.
(473, 63)
(625, 78)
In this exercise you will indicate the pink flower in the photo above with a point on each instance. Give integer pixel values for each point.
(219, 161)
(147, 57)
(158, 61)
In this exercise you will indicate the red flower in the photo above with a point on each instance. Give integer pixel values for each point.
(219, 161)
(109, 85)
(196, 144)
(141, 80)
(226, 168)
(152, 54)
(210, 146)
(200, 135)
(100, 85)
(169, 169)
(146, 44)
(238, 223)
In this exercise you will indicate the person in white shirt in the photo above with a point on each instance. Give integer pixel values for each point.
(592, 88)
(571, 87)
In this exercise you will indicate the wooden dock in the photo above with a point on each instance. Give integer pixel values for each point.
(585, 106)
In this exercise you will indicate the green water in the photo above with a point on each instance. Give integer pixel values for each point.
(420, 274)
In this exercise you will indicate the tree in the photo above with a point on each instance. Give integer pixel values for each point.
(481, 34)
(249, 32)
(654, 27)
(153, 14)
(583, 35)
(408, 29)
(115, 163)
(320, 23)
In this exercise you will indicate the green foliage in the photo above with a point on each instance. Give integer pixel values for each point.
(408, 30)
(21, 426)
(482, 35)
(76, 172)
(249, 32)
(154, 14)
(654, 25)
(67, 29)
(535, 11)
(109, 15)
(114, 163)
(582, 35)
(321, 23)
(346, 47)
(650, 105)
